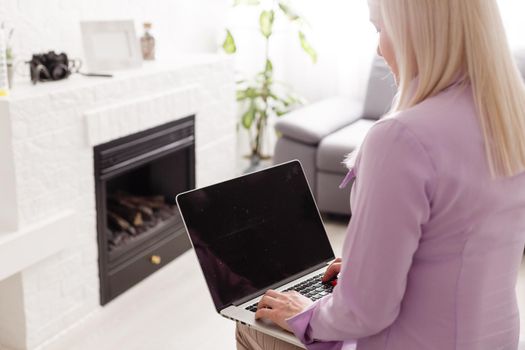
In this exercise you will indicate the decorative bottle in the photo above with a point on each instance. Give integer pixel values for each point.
(147, 43)
(4, 87)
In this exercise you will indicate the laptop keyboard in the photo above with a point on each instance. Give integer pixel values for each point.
(312, 288)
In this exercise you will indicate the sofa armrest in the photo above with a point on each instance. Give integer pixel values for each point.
(310, 124)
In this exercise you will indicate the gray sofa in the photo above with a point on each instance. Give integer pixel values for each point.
(321, 134)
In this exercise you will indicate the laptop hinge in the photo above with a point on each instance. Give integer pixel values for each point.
(280, 283)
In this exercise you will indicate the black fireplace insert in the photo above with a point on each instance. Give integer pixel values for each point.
(139, 227)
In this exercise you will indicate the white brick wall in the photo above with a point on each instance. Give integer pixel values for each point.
(180, 26)
(111, 122)
(54, 128)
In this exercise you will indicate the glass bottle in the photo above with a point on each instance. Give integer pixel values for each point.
(147, 43)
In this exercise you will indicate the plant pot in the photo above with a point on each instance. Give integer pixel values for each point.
(261, 156)
(258, 163)
(267, 141)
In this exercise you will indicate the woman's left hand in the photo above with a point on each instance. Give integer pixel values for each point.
(278, 307)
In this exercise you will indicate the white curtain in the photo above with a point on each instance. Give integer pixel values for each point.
(340, 33)
(513, 13)
(344, 39)
(346, 42)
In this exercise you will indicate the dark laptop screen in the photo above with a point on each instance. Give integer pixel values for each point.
(255, 230)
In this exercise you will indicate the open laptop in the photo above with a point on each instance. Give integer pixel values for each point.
(257, 232)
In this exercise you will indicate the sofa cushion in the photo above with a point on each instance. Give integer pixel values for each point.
(310, 124)
(330, 198)
(380, 91)
(334, 148)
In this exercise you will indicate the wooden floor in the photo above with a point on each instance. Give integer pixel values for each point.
(173, 310)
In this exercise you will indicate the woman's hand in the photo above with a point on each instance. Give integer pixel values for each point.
(278, 307)
(332, 270)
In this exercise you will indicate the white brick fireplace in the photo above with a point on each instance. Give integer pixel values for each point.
(48, 240)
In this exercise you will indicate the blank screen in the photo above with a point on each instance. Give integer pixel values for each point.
(253, 231)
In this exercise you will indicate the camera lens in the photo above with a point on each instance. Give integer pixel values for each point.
(59, 71)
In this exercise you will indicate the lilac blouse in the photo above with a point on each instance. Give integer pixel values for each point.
(434, 245)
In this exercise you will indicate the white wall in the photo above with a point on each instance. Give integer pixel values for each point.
(180, 26)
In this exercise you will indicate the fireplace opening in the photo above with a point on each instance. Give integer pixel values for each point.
(141, 201)
(138, 223)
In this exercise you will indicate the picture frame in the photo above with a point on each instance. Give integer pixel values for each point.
(110, 45)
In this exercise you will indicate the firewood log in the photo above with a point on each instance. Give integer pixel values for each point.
(153, 202)
(130, 214)
(120, 223)
(123, 200)
(147, 212)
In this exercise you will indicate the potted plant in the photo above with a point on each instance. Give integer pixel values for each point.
(261, 96)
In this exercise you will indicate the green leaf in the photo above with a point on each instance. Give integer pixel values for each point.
(241, 95)
(248, 116)
(248, 93)
(229, 43)
(285, 101)
(288, 11)
(307, 47)
(266, 22)
(273, 96)
(280, 112)
(260, 77)
(246, 2)
(289, 100)
(268, 69)
(294, 99)
(252, 92)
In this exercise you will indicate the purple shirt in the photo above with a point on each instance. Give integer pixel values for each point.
(433, 249)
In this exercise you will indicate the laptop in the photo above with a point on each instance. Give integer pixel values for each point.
(257, 232)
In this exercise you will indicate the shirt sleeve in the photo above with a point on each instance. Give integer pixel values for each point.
(390, 201)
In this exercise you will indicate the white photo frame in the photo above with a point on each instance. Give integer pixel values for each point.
(110, 45)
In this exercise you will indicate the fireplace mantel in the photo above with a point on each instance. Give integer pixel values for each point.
(47, 207)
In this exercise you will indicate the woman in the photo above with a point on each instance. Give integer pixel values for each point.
(438, 227)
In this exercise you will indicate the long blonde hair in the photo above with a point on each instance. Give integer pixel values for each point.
(439, 39)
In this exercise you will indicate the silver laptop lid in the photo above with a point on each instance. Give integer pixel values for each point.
(254, 231)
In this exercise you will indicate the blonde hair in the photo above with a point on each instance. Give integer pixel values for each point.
(440, 41)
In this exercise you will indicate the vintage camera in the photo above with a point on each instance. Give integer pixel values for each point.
(51, 66)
